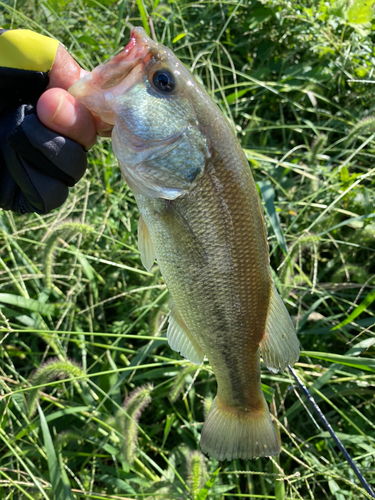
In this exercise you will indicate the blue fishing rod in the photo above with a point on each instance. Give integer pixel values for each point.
(327, 425)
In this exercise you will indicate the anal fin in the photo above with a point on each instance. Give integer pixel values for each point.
(145, 245)
(279, 345)
(180, 338)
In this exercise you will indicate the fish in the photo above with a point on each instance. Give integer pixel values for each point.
(201, 218)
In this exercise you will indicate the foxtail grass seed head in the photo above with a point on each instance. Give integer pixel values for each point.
(196, 472)
(365, 125)
(50, 370)
(317, 147)
(64, 230)
(66, 437)
(128, 417)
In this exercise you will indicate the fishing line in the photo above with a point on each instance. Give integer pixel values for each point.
(327, 425)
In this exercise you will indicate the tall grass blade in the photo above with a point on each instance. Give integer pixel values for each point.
(203, 494)
(26, 303)
(367, 364)
(358, 310)
(268, 195)
(60, 483)
(144, 16)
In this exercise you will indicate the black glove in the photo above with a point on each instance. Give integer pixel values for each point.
(36, 164)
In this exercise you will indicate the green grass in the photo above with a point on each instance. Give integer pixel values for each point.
(292, 78)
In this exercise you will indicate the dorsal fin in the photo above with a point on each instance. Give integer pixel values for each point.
(180, 338)
(145, 245)
(279, 345)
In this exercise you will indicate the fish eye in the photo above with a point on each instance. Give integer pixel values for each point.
(163, 80)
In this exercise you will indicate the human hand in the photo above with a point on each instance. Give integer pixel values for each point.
(41, 153)
(61, 112)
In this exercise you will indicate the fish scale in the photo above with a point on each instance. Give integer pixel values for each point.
(223, 241)
(201, 218)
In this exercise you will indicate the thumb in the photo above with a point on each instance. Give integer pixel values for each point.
(62, 113)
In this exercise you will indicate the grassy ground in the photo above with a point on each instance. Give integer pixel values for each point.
(77, 305)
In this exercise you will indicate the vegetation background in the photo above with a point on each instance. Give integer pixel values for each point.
(83, 324)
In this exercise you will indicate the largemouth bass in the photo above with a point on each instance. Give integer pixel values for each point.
(201, 218)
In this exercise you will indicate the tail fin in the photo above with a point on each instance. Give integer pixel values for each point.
(229, 433)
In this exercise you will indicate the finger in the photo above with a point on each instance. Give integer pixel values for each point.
(62, 113)
(65, 71)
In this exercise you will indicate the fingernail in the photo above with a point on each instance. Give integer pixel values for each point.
(65, 114)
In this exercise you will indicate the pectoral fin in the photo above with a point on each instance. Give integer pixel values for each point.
(145, 245)
(180, 338)
(279, 345)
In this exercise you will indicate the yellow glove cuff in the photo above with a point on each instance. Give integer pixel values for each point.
(24, 49)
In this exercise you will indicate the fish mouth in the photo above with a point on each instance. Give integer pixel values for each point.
(96, 89)
(112, 73)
